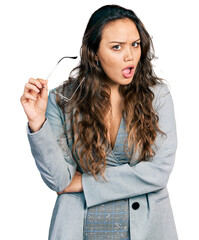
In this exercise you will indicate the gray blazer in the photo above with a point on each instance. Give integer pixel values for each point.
(144, 183)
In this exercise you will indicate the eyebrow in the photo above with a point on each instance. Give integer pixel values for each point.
(123, 42)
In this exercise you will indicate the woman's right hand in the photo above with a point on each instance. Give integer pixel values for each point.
(34, 101)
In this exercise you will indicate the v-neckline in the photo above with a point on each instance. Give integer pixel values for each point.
(112, 149)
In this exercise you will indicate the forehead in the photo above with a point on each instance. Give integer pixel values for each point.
(121, 29)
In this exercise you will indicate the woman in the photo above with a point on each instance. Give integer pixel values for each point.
(108, 153)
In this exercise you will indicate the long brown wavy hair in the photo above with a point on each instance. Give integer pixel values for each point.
(91, 103)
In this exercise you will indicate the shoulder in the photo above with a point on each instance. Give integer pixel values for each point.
(53, 109)
(65, 89)
(61, 107)
(52, 97)
(160, 90)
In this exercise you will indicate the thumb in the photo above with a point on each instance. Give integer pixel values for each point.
(44, 92)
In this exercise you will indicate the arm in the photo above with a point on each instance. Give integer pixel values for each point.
(126, 181)
(75, 185)
(56, 165)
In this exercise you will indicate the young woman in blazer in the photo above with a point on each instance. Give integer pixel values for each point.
(109, 152)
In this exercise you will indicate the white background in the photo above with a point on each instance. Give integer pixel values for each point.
(34, 36)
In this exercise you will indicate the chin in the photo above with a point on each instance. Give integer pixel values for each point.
(126, 81)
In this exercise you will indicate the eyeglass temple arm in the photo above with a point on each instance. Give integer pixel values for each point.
(67, 57)
(58, 63)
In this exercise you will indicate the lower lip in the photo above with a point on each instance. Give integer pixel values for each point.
(128, 75)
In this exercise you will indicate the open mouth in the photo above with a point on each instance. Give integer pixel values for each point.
(130, 69)
(127, 72)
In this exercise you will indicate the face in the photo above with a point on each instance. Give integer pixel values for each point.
(119, 49)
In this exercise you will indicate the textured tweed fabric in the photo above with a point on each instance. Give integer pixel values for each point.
(110, 220)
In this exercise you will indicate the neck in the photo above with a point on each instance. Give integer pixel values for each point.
(117, 101)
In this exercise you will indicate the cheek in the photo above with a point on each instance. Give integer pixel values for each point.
(111, 63)
(107, 63)
(108, 59)
(111, 67)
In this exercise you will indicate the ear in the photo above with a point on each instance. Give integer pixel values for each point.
(96, 57)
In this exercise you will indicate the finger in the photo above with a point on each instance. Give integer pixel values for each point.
(28, 87)
(42, 81)
(35, 82)
(44, 91)
(78, 173)
(58, 193)
(27, 96)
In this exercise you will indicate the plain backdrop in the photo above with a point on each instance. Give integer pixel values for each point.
(34, 36)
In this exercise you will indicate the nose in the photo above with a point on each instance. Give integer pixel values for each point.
(128, 55)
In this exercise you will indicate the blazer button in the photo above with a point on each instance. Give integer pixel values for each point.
(135, 205)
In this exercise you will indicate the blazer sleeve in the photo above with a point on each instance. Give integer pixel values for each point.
(125, 181)
(55, 164)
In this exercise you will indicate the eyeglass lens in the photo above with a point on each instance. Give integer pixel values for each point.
(66, 64)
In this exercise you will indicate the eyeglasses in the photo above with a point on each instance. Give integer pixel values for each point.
(59, 94)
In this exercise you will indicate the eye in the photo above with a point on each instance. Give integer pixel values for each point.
(116, 47)
(138, 43)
